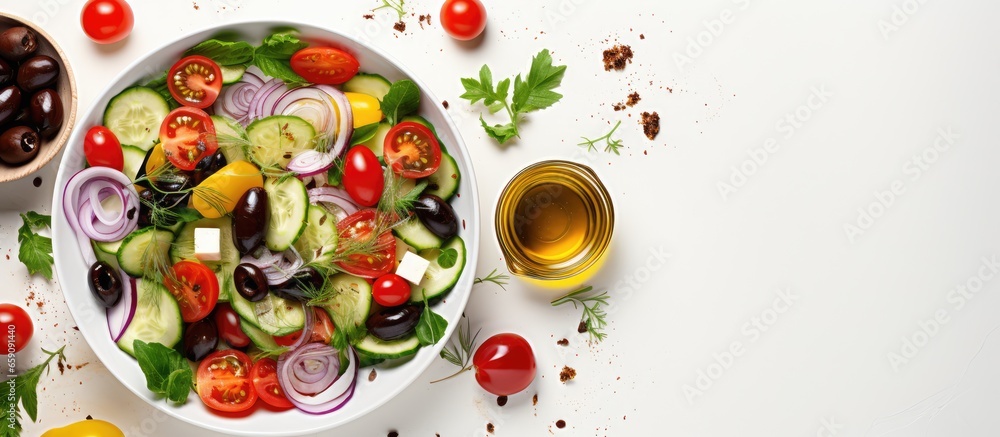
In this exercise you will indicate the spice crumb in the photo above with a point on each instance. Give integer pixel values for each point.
(393, 434)
(567, 374)
(650, 124)
(37, 182)
(502, 400)
(196, 7)
(490, 428)
(372, 375)
(445, 104)
(424, 18)
(618, 107)
(560, 424)
(368, 16)
(563, 342)
(582, 327)
(633, 99)
(400, 26)
(642, 36)
(534, 399)
(617, 57)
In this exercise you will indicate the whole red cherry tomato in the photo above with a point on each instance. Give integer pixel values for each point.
(463, 19)
(505, 364)
(363, 178)
(107, 21)
(16, 325)
(391, 290)
(102, 149)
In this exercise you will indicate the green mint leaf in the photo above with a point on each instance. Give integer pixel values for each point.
(501, 133)
(364, 133)
(402, 99)
(159, 364)
(431, 327)
(36, 250)
(178, 385)
(277, 68)
(224, 52)
(535, 92)
(280, 45)
(447, 258)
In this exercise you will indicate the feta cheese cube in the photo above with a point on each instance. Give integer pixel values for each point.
(413, 267)
(207, 244)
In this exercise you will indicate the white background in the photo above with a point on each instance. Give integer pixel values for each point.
(823, 366)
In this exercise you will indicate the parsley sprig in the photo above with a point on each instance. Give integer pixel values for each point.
(396, 6)
(495, 277)
(36, 250)
(594, 316)
(24, 390)
(460, 354)
(533, 93)
(611, 145)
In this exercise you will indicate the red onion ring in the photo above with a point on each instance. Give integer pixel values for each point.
(235, 99)
(306, 328)
(314, 106)
(86, 215)
(120, 316)
(310, 163)
(330, 398)
(278, 268)
(263, 101)
(336, 197)
(346, 116)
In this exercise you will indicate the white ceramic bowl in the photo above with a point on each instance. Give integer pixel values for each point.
(90, 317)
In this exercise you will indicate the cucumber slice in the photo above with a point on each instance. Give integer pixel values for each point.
(438, 280)
(353, 300)
(110, 258)
(232, 73)
(275, 140)
(142, 246)
(259, 338)
(135, 115)
(368, 83)
(273, 315)
(375, 348)
(318, 242)
(134, 158)
(415, 234)
(377, 143)
(157, 318)
(444, 182)
(231, 138)
(183, 248)
(288, 203)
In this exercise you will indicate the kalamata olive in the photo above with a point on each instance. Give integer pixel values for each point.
(250, 220)
(147, 200)
(394, 323)
(19, 145)
(250, 282)
(46, 112)
(36, 73)
(304, 280)
(6, 73)
(200, 339)
(10, 103)
(17, 43)
(437, 215)
(172, 189)
(105, 283)
(207, 167)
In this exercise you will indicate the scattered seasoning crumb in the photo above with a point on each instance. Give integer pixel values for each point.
(369, 16)
(619, 107)
(633, 98)
(502, 400)
(76, 328)
(37, 182)
(445, 104)
(89, 417)
(490, 428)
(400, 26)
(617, 57)
(560, 424)
(424, 18)
(582, 328)
(534, 399)
(196, 7)
(563, 342)
(567, 374)
(650, 124)
(670, 90)
(393, 434)
(642, 36)
(372, 375)
(62, 367)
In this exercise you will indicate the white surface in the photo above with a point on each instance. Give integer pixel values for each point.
(814, 315)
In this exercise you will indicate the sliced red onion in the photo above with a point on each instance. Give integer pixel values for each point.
(236, 98)
(333, 196)
(310, 163)
(263, 102)
(306, 328)
(88, 217)
(345, 127)
(120, 316)
(278, 268)
(317, 362)
(314, 106)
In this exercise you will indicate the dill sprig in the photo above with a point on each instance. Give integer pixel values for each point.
(268, 352)
(593, 314)
(611, 145)
(396, 6)
(495, 277)
(460, 354)
(396, 200)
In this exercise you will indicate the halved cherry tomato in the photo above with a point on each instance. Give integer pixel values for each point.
(195, 287)
(391, 290)
(366, 109)
(321, 332)
(363, 177)
(358, 227)
(228, 323)
(102, 149)
(224, 381)
(412, 150)
(187, 135)
(265, 381)
(195, 81)
(325, 65)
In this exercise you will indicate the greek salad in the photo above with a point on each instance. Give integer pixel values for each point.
(262, 221)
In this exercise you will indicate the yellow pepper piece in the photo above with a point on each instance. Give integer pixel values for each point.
(86, 428)
(366, 109)
(218, 194)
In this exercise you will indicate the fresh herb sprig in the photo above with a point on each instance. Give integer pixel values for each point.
(396, 6)
(495, 277)
(594, 316)
(533, 93)
(24, 391)
(460, 354)
(431, 326)
(167, 372)
(402, 99)
(36, 250)
(611, 145)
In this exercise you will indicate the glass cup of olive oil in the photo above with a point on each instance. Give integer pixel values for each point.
(554, 222)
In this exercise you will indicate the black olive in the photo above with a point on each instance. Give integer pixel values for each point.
(250, 282)
(200, 339)
(36, 73)
(172, 190)
(6, 73)
(304, 280)
(437, 215)
(394, 323)
(207, 167)
(17, 43)
(19, 145)
(46, 112)
(147, 199)
(10, 103)
(250, 220)
(105, 283)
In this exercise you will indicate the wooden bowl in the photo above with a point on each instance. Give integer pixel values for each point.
(66, 87)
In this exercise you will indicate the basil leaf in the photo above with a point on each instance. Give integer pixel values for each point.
(364, 133)
(223, 52)
(448, 258)
(402, 99)
(430, 327)
(277, 68)
(178, 385)
(280, 45)
(167, 372)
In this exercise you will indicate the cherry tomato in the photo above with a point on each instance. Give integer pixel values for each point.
(224, 381)
(265, 381)
(391, 290)
(463, 19)
(359, 227)
(15, 320)
(195, 287)
(322, 330)
(365, 108)
(107, 21)
(219, 193)
(102, 149)
(325, 65)
(363, 178)
(187, 135)
(412, 150)
(228, 323)
(505, 364)
(195, 81)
